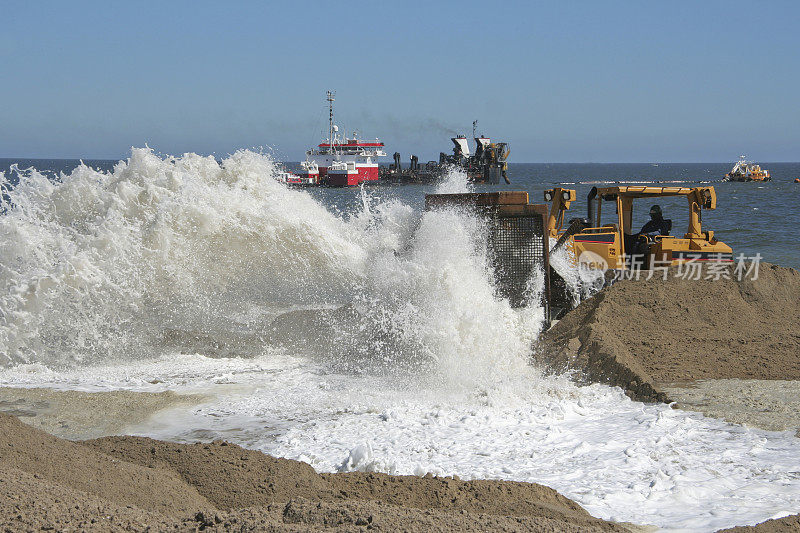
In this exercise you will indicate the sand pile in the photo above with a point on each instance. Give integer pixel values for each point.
(131, 483)
(641, 334)
(74, 466)
(787, 524)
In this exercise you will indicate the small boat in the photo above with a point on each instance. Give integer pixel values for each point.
(307, 176)
(746, 171)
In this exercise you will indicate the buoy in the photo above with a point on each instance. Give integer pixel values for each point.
(797, 180)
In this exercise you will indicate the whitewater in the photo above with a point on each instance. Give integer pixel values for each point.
(368, 340)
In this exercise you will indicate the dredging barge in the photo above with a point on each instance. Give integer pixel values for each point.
(747, 171)
(487, 165)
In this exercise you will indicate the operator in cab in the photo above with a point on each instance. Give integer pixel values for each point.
(657, 225)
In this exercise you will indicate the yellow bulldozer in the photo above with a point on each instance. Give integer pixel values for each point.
(520, 234)
(617, 245)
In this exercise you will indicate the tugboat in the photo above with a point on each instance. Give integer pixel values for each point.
(744, 171)
(343, 161)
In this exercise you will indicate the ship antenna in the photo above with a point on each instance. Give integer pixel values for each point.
(474, 127)
(330, 118)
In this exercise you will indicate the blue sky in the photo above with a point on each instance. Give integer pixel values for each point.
(560, 81)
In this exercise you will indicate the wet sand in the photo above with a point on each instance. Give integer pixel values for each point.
(773, 405)
(85, 415)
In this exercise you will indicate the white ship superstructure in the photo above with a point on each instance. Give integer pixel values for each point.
(357, 159)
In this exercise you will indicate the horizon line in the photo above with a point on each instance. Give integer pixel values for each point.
(387, 162)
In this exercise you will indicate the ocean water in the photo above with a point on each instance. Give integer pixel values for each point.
(752, 218)
(349, 329)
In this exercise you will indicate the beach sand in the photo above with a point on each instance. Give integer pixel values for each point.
(787, 524)
(729, 349)
(135, 483)
(726, 348)
(645, 335)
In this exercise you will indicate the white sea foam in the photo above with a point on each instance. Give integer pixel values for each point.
(620, 459)
(412, 364)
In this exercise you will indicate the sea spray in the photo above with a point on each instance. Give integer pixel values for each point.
(454, 180)
(110, 266)
(582, 282)
(94, 265)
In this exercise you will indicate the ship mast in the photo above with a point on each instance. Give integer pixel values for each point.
(330, 99)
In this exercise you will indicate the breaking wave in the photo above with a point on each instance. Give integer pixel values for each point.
(97, 267)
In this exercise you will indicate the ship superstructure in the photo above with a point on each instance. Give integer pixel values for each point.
(747, 171)
(345, 161)
(488, 163)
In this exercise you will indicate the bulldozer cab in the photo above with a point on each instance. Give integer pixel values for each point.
(616, 244)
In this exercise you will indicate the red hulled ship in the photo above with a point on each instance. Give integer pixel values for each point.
(343, 161)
